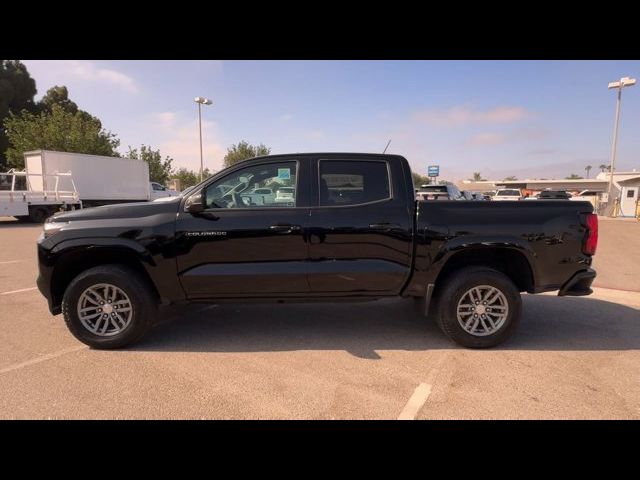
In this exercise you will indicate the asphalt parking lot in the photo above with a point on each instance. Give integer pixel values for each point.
(576, 357)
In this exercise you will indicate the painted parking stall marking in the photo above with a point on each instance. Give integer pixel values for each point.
(19, 291)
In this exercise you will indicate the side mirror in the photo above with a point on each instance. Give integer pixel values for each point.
(195, 203)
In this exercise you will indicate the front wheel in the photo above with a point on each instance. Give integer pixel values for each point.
(109, 306)
(479, 307)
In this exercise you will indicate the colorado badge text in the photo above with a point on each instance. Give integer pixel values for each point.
(205, 234)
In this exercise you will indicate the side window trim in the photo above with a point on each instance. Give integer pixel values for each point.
(319, 177)
(250, 208)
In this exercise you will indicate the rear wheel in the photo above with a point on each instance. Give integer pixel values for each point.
(478, 307)
(109, 306)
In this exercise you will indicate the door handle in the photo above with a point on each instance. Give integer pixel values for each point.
(383, 226)
(285, 228)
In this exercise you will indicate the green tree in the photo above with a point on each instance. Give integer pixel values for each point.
(602, 167)
(419, 179)
(510, 179)
(58, 95)
(573, 176)
(242, 151)
(58, 130)
(17, 90)
(477, 177)
(160, 170)
(588, 169)
(188, 177)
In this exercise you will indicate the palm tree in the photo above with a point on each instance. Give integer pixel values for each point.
(602, 167)
(588, 169)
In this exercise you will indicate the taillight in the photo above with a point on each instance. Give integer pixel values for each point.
(591, 237)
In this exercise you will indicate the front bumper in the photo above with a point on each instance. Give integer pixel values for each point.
(43, 281)
(579, 284)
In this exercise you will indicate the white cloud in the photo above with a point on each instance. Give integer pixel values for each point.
(165, 119)
(61, 71)
(89, 71)
(487, 138)
(181, 141)
(459, 116)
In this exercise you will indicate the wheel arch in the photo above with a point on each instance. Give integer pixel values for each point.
(509, 260)
(74, 261)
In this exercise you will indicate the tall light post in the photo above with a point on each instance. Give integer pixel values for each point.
(201, 101)
(619, 85)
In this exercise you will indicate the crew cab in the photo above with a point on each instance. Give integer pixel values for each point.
(350, 230)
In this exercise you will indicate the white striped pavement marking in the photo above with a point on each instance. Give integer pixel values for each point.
(43, 358)
(19, 291)
(415, 403)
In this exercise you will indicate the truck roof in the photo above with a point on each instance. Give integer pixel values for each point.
(326, 154)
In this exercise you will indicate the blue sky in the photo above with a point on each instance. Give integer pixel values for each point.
(523, 118)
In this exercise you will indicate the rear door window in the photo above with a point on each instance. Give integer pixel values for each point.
(344, 182)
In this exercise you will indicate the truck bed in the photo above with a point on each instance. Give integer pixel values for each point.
(548, 235)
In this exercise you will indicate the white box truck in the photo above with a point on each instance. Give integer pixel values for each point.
(99, 180)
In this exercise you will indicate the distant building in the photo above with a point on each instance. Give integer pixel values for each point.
(629, 197)
(626, 187)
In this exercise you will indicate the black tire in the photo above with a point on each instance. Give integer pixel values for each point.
(456, 286)
(39, 214)
(142, 298)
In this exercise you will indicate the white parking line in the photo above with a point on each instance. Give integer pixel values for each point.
(415, 403)
(11, 261)
(43, 358)
(19, 291)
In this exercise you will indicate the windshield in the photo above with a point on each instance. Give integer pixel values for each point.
(508, 193)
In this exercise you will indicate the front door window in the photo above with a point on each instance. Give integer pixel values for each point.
(258, 186)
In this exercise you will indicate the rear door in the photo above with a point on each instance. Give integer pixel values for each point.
(360, 227)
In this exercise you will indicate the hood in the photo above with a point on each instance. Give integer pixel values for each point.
(120, 210)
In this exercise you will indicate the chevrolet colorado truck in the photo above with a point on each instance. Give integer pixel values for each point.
(334, 227)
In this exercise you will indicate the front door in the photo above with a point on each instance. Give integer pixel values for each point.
(250, 239)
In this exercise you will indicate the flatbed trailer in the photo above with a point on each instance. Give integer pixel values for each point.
(19, 199)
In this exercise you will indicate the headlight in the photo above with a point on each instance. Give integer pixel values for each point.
(51, 228)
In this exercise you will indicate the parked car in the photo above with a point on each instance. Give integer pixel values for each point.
(158, 190)
(285, 195)
(464, 263)
(171, 198)
(505, 194)
(439, 192)
(586, 195)
(260, 196)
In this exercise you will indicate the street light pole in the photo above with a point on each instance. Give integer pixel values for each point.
(201, 101)
(200, 128)
(619, 85)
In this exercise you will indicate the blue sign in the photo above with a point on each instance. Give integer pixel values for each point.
(433, 170)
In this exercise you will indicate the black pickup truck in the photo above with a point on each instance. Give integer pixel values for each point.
(313, 227)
